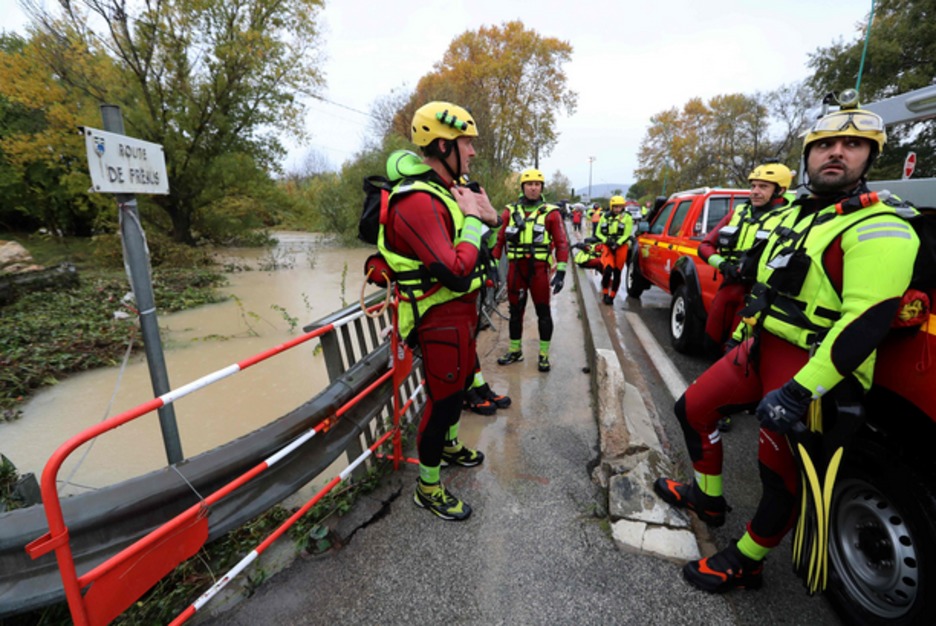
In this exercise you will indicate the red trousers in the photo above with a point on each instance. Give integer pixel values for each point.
(612, 264)
(723, 316)
(733, 383)
(446, 337)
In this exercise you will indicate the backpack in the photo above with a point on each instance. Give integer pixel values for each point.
(374, 213)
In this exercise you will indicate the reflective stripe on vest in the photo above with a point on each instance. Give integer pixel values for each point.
(416, 285)
(804, 318)
(533, 238)
(751, 227)
(615, 228)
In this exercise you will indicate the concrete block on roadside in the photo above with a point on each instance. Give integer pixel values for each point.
(631, 495)
(671, 543)
(639, 425)
(613, 435)
(628, 535)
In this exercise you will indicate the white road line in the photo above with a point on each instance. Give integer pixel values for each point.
(668, 372)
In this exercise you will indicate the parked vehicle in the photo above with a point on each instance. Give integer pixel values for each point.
(633, 209)
(666, 256)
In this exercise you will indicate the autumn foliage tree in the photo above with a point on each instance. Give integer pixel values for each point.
(43, 168)
(512, 79)
(720, 141)
(217, 83)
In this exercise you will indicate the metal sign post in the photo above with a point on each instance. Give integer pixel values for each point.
(123, 165)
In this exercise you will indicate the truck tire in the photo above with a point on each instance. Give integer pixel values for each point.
(882, 539)
(685, 328)
(634, 282)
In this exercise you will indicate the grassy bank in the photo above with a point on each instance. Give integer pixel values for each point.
(48, 334)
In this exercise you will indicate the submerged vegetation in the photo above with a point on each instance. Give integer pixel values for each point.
(45, 335)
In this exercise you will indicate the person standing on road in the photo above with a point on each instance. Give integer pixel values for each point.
(829, 283)
(431, 240)
(613, 231)
(732, 247)
(531, 233)
(577, 211)
(595, 217)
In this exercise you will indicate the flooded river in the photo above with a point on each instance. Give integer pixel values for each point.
(267, 307)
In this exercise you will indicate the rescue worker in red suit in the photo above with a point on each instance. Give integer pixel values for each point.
(732, 248)
(829, 283)
(431, 240)
(531, 232)
(613, 231)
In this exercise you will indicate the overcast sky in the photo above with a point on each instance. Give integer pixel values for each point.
(630, 61)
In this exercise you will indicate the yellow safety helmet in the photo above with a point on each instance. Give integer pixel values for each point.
(441, 120)
(777, 173)
(616, 201)
(531, 176)
(848, 122)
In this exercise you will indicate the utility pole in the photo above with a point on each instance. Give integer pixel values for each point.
(591, 160)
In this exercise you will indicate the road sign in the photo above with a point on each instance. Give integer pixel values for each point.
(121, 164)
(909, 165)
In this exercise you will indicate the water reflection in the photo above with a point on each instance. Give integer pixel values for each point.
(268, 307)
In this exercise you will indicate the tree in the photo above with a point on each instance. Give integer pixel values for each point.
(559, 187)
(213, 81)
(720, 141)
(43, 166)
(512, 80)
(901, 57)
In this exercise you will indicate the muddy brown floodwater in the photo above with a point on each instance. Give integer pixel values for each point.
(312, 279)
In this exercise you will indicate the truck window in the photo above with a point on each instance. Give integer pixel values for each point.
(660, 222)
(716, 208)
(681, 211)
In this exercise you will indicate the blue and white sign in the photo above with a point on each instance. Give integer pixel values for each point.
(121, 164)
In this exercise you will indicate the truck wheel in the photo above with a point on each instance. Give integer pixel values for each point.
(685, 328)
(882, 539)
(635, 283)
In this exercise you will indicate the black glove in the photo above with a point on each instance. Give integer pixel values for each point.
(557, 281)
(730, 270)
(782, 409)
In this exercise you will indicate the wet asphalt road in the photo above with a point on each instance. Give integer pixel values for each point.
(537, 548)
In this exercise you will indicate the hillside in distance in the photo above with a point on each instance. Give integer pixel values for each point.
(602, 190)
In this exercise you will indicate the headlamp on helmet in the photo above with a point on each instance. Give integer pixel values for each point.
(849, 121)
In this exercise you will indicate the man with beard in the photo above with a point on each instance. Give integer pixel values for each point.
(829, 283)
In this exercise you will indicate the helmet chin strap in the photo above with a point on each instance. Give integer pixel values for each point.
(450, 145)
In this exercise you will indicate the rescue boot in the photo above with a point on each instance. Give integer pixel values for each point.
(441, 502)
(543, 363)
(709, 509)
(510, 357)
(485, 391)
(724, 571)
(476, 403)
(460, 454)
(607, 299)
